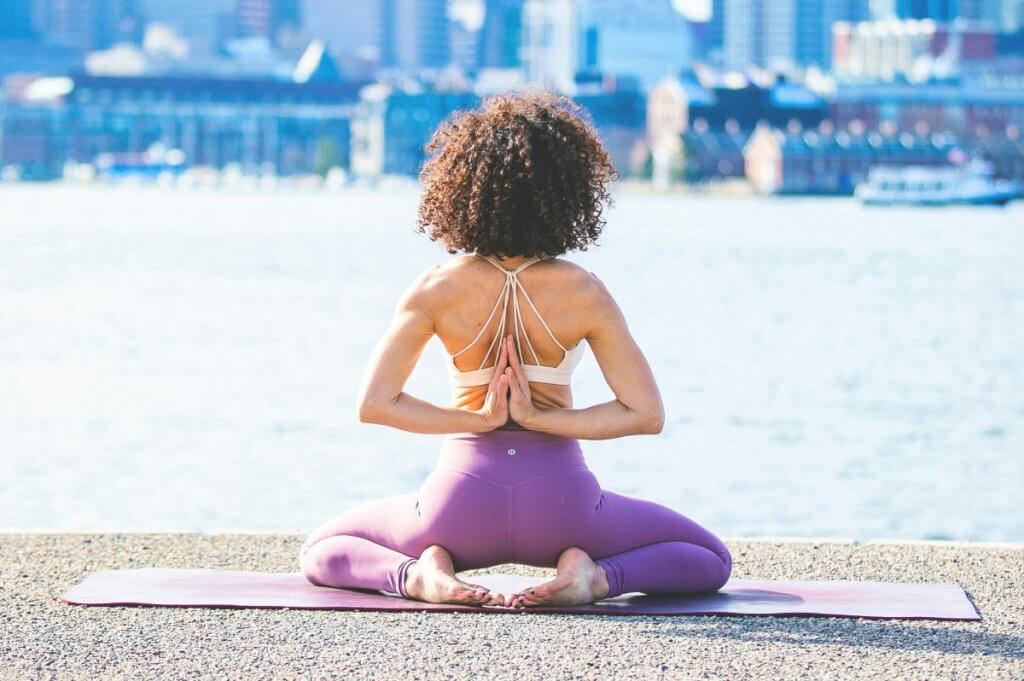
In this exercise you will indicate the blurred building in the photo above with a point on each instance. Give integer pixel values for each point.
(501, 35)
(675, 104)
(89, 24)
(551, 43)
(710, 121)
(708, 36)
(204, 24)
(32, 134)
(404, 35)
(265, 18)
(937, 10)
(1006, 15)
(618, 109)
(17, 21)
(712, 155)
(1004, 151)
(464, 45)
(416, 35)
(353, 31)
(967, 107)
(914, 50)
(826, 162)
(259, 124)
(390, 128)
(53, 36)
(252, 123)
(643, 39)
(782, 35)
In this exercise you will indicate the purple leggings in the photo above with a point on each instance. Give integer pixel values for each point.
(514, 496)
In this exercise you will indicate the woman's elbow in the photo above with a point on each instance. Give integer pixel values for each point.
(650, 421)
(371, 410)
(654, 424)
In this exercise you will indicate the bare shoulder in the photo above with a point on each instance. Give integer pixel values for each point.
(589, 288)
(567, 272)
(438, 283)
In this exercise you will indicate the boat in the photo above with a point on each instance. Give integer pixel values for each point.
(971, 183)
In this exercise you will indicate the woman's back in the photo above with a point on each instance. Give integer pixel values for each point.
(545, 305)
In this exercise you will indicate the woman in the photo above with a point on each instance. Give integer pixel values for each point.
(512, 186)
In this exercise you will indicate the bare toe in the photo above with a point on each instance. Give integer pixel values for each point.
(578, 580)
(431, 578)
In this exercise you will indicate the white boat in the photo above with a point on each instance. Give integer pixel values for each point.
(968, 184)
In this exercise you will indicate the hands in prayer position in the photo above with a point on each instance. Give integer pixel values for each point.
(508, 394)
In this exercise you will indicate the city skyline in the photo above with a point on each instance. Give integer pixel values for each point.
(548, 40)
(300, 87)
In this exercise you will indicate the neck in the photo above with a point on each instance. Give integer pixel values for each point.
(510, 262)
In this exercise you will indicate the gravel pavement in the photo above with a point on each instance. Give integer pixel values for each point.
(40, 637)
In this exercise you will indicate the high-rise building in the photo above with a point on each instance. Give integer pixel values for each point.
(937, 10)
(910, 49)
(647, 39)
(812, 23)
(416, 34)
(1012, 15)
(350, 29)
(551, 43)
(991, 11)
(408, 35)
(501, 35)
(204, 23)
(783, 34)
(744, 32)
(16, 20)
(708, 36)
(1006, 15)
(89, 24)
(265, 18)
(464, 45)
(253, 18)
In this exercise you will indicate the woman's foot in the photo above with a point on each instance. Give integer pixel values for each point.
(578, 580)
(431, 578)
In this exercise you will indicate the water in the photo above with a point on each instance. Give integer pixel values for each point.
(174, 360)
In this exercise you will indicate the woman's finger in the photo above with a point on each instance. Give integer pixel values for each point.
(516, 365)
(501, 397)
(499, 369)
(513, 382)
(519, 393)
(502, 359)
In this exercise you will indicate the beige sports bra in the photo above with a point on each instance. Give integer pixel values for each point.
(536, 372)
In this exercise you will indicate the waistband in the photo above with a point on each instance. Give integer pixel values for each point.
(510, 456)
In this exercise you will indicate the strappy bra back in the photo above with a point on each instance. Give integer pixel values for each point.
(536, 372)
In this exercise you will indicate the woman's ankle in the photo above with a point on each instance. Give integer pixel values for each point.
(600, 585)
(410, 582)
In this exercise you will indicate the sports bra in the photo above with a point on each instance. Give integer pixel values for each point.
(536, 372)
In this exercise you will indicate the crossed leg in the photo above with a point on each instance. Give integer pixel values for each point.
(638, 545)
(378, 546)
(360, 548)
(644, 546)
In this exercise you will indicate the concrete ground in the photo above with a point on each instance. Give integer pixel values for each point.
(41, 637)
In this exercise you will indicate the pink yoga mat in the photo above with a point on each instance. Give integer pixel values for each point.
(227, 589)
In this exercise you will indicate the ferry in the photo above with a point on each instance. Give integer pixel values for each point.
(968, 184)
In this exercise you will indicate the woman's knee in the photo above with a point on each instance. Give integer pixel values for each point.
(320, 565)
(722, 551)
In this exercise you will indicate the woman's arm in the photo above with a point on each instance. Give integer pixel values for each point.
(637, 406)
(382, 399)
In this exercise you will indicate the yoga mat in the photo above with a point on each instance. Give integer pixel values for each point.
(227, 589)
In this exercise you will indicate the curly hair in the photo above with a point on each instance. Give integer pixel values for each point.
(524, 174)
